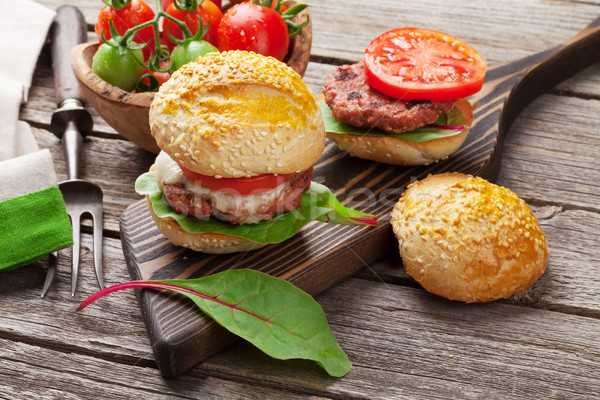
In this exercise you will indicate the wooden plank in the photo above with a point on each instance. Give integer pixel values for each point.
(112, 327)
(499, 30)
(33, 372)
(552, 150)
(405, 343)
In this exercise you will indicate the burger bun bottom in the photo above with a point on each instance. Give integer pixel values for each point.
(212, 243)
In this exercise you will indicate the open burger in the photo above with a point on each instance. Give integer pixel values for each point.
(404, 103)
(239, 134)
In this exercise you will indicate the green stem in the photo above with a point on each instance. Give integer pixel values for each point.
(180, 24)
(117, 4)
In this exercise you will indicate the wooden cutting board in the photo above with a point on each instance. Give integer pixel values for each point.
(323, 254)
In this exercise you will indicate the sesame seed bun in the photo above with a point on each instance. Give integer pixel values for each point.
(398, 151)
(238, 114)
(466, 239)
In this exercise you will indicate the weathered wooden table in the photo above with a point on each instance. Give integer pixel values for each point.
(402, 341)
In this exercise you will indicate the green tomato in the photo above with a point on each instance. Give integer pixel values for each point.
(189, 51)
(118, 66)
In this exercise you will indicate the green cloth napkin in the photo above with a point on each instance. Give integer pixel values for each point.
(33, 217)
(33, 225)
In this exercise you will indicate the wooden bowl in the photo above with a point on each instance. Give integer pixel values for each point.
(127, 112)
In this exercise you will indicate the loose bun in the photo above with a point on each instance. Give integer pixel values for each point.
(398, 151)
(238, 114)
(466, 239)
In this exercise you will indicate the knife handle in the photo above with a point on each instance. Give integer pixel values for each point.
(68, 30)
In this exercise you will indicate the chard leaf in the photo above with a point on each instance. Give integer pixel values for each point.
(449, 124)
(271, 313)
(317, 204)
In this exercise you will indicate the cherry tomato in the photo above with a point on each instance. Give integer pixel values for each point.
(240, 186)
(188, 51)
(161, 77)
(252, 27)
(207, 11)
(421, 64)
(118, 66)
(135, 13)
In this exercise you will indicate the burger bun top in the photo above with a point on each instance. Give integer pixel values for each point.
(238, 114)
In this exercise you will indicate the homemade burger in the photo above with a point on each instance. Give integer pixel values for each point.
(466, 239)
(404, 102)
(239, 134)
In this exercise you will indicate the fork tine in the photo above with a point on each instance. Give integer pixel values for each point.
(75, 222)
(97, 225)
(51, 272)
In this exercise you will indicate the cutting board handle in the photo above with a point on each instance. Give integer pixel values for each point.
(68, 30)
(552, 67)
(511, 85)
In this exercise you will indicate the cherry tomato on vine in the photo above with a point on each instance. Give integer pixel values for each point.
(240, 186)
(137, 12)
(118, 66)
(207, 11)
(253, 27)
(188, 51)
(161, 77)
(421, 64)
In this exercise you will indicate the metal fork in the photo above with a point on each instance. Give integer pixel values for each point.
(71, 122)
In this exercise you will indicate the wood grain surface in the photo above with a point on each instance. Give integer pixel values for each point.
(403, 342)
(323, 255)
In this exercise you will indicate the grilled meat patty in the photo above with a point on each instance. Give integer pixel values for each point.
(353, 101)
(238, 209)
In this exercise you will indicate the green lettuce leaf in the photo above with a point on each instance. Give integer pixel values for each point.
(271, 313)
(449, 124)
(317, 204)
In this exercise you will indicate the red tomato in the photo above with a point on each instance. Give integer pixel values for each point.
(240, 186)
(256, 28)
(135, 13)
(421, 64)
(207, 11)
(161, 77)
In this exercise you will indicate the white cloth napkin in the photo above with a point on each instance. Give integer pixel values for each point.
(23, 28)
(35, 171)
(33, 218)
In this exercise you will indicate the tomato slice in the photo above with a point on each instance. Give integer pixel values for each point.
(240, 186)
(421, 64)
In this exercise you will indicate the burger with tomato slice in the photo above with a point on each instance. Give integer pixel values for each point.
(404, 102)
(239, 134)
